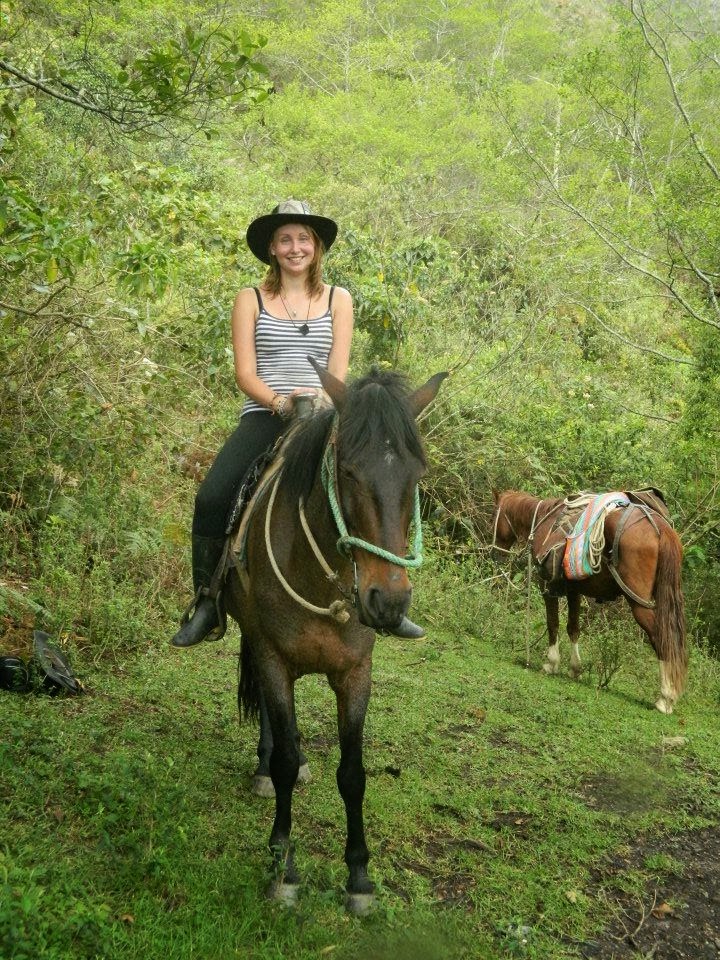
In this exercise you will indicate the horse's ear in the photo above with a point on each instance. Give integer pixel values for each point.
(334, 388)
(423, 395)
(496, 495)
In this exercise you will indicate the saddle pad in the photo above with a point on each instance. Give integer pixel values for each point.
(584, 546)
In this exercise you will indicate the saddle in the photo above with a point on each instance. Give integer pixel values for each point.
(255, 482)
(551, 552)
(651, 498)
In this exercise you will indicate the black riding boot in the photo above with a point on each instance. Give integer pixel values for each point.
(208, 619)
(407, 630)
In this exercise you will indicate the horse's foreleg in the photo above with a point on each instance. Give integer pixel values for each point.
(284, 766)
(353, 693)
(668, 694)
(552, 618)
(573, 632)
(262, 784)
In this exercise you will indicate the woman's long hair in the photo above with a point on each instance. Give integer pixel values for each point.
(314, 285)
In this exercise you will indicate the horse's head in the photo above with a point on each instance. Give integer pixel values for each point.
(504, 535)
(379, 461)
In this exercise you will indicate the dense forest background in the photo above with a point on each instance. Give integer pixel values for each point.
(528, 196)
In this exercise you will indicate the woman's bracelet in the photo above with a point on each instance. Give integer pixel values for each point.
(278, 405)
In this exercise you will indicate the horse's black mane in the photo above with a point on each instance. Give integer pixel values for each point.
(376, 409)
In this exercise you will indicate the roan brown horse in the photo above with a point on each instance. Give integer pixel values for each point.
(641, 561)
(346, 496)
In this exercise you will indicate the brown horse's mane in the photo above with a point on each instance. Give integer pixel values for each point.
(376, 412)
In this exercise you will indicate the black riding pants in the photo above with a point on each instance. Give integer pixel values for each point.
(255, 434)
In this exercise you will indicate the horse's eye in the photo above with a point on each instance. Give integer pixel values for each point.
(348, 475)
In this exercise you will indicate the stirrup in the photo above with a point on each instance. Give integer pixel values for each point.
(218, 631)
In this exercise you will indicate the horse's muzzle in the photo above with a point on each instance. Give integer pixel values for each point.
(384, 609)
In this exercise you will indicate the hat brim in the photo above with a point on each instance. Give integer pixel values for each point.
(260, 232)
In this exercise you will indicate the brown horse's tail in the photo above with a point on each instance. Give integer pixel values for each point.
(248, 687)
(670, 610)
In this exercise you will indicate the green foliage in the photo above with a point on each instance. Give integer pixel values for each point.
(143, 82)
(500, 193)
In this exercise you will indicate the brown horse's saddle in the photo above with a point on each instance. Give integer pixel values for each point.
(247, 488)
(651, 498)
(550, 552)
(256, 481)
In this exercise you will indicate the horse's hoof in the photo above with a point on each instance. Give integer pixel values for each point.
(359, 904)
(286, 894)
(575, 672)
(263, 786)
(663, 705)
(304, 775)
(550, 668)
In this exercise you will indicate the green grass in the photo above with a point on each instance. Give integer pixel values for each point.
(493, 791)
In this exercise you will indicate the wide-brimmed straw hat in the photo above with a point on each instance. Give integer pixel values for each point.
(259, 233)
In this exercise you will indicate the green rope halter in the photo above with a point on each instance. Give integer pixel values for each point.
(345, 541)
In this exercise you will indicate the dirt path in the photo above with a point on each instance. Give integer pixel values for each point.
(678, 918)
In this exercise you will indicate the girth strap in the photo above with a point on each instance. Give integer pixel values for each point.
(613, 563)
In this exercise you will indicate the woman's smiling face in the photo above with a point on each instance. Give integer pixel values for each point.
(294, 247)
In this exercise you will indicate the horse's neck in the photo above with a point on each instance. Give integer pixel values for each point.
(523, 514)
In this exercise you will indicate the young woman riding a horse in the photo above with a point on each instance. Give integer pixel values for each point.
(291, 316)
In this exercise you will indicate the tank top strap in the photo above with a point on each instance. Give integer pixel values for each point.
(259, 299)
(332, 291)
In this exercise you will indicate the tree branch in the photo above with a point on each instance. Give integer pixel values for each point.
(631, 343)
(39, 85)
(663, 56)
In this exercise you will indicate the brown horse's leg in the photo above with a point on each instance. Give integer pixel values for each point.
(573, 631)
(552, 618)
(668, 693)
(284, 765)
(262, 784)
(353, 693)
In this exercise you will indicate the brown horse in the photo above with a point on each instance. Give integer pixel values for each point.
(346, 497)
(642, 564)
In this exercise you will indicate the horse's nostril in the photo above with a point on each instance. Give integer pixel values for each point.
(386, 608)
(373, 601)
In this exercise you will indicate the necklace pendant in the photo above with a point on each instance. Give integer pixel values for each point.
(304, 329)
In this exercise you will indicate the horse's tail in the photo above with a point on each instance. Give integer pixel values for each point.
(248, 687)
(670, 610)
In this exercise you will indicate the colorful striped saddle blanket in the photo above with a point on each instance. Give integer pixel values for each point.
(584, 546)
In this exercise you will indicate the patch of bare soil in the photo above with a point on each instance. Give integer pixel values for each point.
(676, 918)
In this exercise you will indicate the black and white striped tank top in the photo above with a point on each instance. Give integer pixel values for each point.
(281, 351)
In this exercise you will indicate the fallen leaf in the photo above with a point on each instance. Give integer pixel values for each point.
(664, 910)
(329, 949)
(571, 895)
(127, 918)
